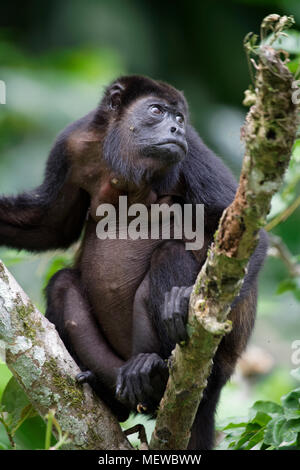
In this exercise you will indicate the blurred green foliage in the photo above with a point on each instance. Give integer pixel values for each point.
(57, 57)
(269, 426)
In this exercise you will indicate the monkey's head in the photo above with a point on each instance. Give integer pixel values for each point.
(146, 131)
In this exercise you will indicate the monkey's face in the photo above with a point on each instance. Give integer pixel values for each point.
(157, 131)
(146, 136)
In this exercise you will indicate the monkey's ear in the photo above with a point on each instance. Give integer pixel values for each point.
(115, 95)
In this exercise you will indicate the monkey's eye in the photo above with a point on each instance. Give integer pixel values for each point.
(180, 119)
(156, 110)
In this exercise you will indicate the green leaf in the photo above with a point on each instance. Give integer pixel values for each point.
(243, 440)
(291, 404)
(248, 434)
(12, 257)
(261, 419)
(3, 446)
(296, 373)
(232, 423)
(31, 434)
(58, 263)
(292, 425)
(285, 286)
(256, 439)
(281, 433)
(288, 446)
(5, 376)
(16, 403)
(273, 433)
(228, 442)
(268, 407)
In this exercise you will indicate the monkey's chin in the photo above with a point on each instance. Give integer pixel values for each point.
(166, 154)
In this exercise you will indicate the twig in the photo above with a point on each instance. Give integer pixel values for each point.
(283, 215)
(279, 250)
(7, 430)
(139, 428)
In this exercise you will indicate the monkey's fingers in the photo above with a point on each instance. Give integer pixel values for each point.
(131, 385)
(175, 313)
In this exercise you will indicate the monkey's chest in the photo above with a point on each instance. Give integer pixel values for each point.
(112, 271)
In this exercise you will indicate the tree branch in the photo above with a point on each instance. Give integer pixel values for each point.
(269, 133)
(43, 367)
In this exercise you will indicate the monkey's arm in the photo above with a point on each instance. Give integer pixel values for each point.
(173, 314)
(172, 275)
(49, 217)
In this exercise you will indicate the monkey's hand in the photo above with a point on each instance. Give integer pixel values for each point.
(175, 312)
(141, 382)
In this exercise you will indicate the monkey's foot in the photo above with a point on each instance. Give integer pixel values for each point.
(175, 312)
(84, 376)
(141, 382)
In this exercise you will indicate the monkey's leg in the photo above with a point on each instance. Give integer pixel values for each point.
(69, 310)
(143, 378)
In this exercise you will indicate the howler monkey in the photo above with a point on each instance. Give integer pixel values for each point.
(123, 305)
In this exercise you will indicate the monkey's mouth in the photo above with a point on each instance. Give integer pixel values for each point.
(169, 142)
(167, 152)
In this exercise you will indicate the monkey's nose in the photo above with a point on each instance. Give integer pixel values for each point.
(173, 129)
